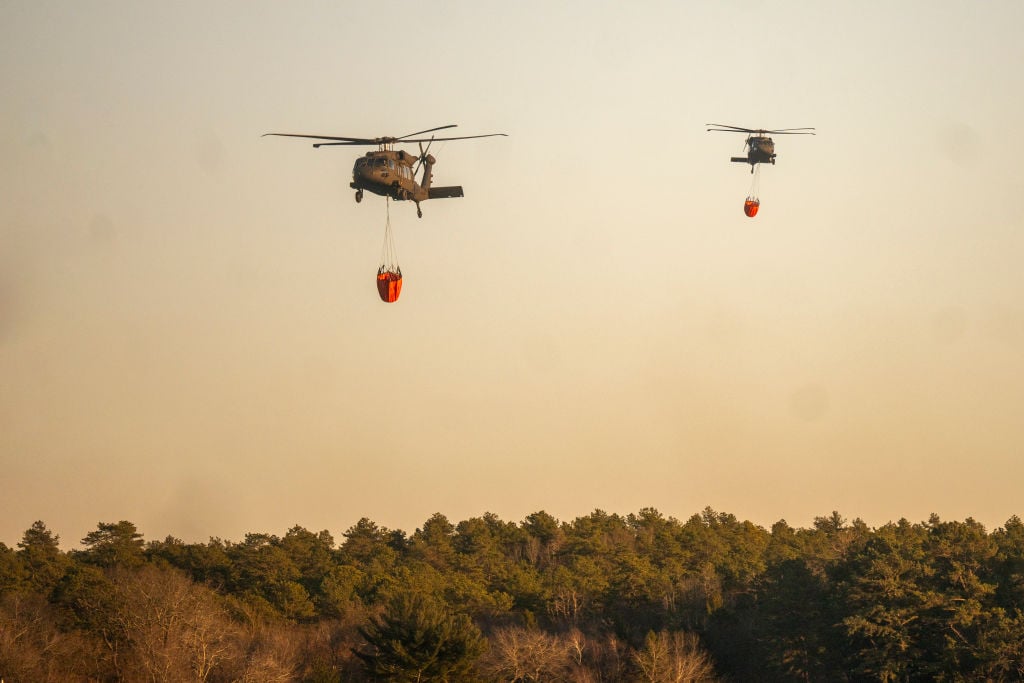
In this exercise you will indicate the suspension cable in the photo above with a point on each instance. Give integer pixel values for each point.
(388, 253)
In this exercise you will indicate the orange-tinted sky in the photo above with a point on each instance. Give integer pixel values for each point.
(190, 337)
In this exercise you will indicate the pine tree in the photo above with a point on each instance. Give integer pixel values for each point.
(417, 639)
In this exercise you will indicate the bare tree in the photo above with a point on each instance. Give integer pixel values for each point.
(177, 629)
(32, 648)
(519, 655)
(674, 657)
(265, 651)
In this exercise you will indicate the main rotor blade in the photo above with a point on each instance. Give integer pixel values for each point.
(332, 144)
(735, 129)
(762, 131)
(429, 130)
(347, 141)
(464, 137)
(338, 140)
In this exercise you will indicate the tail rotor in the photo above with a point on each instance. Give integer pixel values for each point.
(423, 154)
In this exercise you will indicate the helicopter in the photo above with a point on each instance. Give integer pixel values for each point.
(390, 173)
(760, 148)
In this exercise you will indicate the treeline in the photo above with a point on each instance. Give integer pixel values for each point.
(641, 597)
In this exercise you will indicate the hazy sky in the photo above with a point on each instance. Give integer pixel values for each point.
(191, 338)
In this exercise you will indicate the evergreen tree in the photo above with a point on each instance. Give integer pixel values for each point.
(12, 570)
(263, 571)
(433, 543)
(111, 545)
(40, 555)
(885, 592)
(418, 639)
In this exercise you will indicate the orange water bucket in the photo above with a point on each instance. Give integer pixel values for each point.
(389, 285)
(750, 206)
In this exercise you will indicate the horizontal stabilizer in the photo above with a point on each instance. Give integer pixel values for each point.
(742, 160)
(445, 192)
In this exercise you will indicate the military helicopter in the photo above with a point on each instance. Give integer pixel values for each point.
(390, 173)
(760, 148)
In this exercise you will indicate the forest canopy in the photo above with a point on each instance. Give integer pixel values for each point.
(605, 597)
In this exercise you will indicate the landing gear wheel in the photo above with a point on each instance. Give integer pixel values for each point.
(419, 211)
(359, 196)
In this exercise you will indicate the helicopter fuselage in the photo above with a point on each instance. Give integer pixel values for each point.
(760, 150)
(390, 173)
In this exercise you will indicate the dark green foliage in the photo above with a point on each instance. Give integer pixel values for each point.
(41, 559)
(603, 597)
(112, 545)
(1008, 564)
(433, 543)
(205, 562)
(265, 573)
(797, 619)
(12, 570)
(417, 638)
